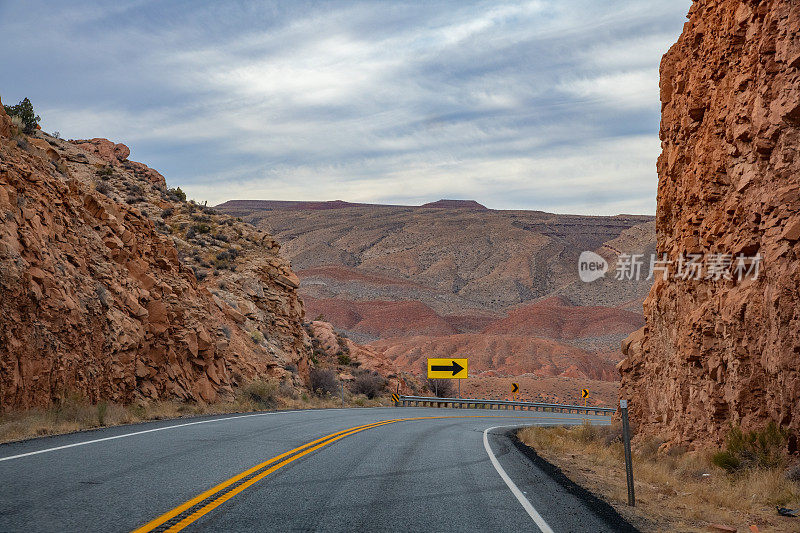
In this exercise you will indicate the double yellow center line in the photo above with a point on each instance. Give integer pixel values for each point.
(190, 511)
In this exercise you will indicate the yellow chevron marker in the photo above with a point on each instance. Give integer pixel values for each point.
(395, 398)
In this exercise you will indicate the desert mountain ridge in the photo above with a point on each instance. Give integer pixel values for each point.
(498, 286)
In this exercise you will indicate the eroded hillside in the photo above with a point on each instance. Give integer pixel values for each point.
(453, 277)
(113, 287)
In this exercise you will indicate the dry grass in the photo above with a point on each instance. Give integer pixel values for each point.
(676, 490)
(76, 414)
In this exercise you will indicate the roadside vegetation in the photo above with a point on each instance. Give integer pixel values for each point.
(678, 489)
(75, 413)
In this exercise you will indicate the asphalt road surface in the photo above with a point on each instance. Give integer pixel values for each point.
(381, 469)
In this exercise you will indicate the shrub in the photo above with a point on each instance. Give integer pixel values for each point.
(344, 359)
(200, 275)
(369, 384)
(754, 449)
(166, 213)
(102, 411)
(263, 394)
(202, 228)
(105, 172)
(257, 336)
(793, 473)
(24, 110)
(442, 388)
(178, 193)
(103, 188)
(323, 381)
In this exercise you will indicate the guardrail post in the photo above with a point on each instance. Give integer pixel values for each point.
(626, 439)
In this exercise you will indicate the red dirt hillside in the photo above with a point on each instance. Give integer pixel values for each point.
(503, 355)
(556, 318)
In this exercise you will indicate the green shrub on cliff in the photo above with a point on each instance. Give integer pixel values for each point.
(24, 110)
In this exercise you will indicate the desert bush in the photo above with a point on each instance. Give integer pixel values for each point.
(369, 384)
(343, 358)
(261, 393)
(102, 411)
(792, 473)
(178, 194)
(166, 213)
(105, 172)
(103, 188)
(24, 110)
(200, 275)
(323, 381)
(754, 449)
(442, 388)
(257, 336)
(202, 228)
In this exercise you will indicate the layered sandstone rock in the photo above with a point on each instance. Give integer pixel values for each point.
(96, 295)
(720, 352)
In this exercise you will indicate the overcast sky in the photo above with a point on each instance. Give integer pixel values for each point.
(549, 105)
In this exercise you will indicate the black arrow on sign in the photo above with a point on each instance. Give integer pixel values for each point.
(516, 387)
(455, 367)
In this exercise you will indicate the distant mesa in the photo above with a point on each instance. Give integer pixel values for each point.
(455, 204)
(246, 207)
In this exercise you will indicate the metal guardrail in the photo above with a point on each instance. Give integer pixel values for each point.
(478, 403)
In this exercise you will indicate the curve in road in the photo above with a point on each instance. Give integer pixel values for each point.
(383, 469)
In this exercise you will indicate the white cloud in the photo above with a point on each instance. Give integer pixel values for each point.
(545, 105)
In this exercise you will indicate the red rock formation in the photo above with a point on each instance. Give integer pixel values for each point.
(720, 352)
(94, 298)
(116, 153)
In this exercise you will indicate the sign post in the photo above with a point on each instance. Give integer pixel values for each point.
(626, 439)
(584, 395)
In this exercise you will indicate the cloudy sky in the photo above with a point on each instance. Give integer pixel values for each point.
(549, 105)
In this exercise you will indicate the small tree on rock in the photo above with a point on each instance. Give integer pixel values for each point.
(24, 110)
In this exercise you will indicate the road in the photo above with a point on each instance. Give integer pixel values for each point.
(396, 469)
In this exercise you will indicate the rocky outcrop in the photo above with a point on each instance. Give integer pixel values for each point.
(715, 352)
(113, 153)
(97, 296)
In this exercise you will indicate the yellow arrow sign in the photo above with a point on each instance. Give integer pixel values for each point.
(584, 393)
(447, 368)
(515, 387)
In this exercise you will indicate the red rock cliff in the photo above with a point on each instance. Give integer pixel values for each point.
(716, 352)
(97, 298)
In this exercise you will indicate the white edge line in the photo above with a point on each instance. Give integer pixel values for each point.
(526, 504)
(83, 443)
